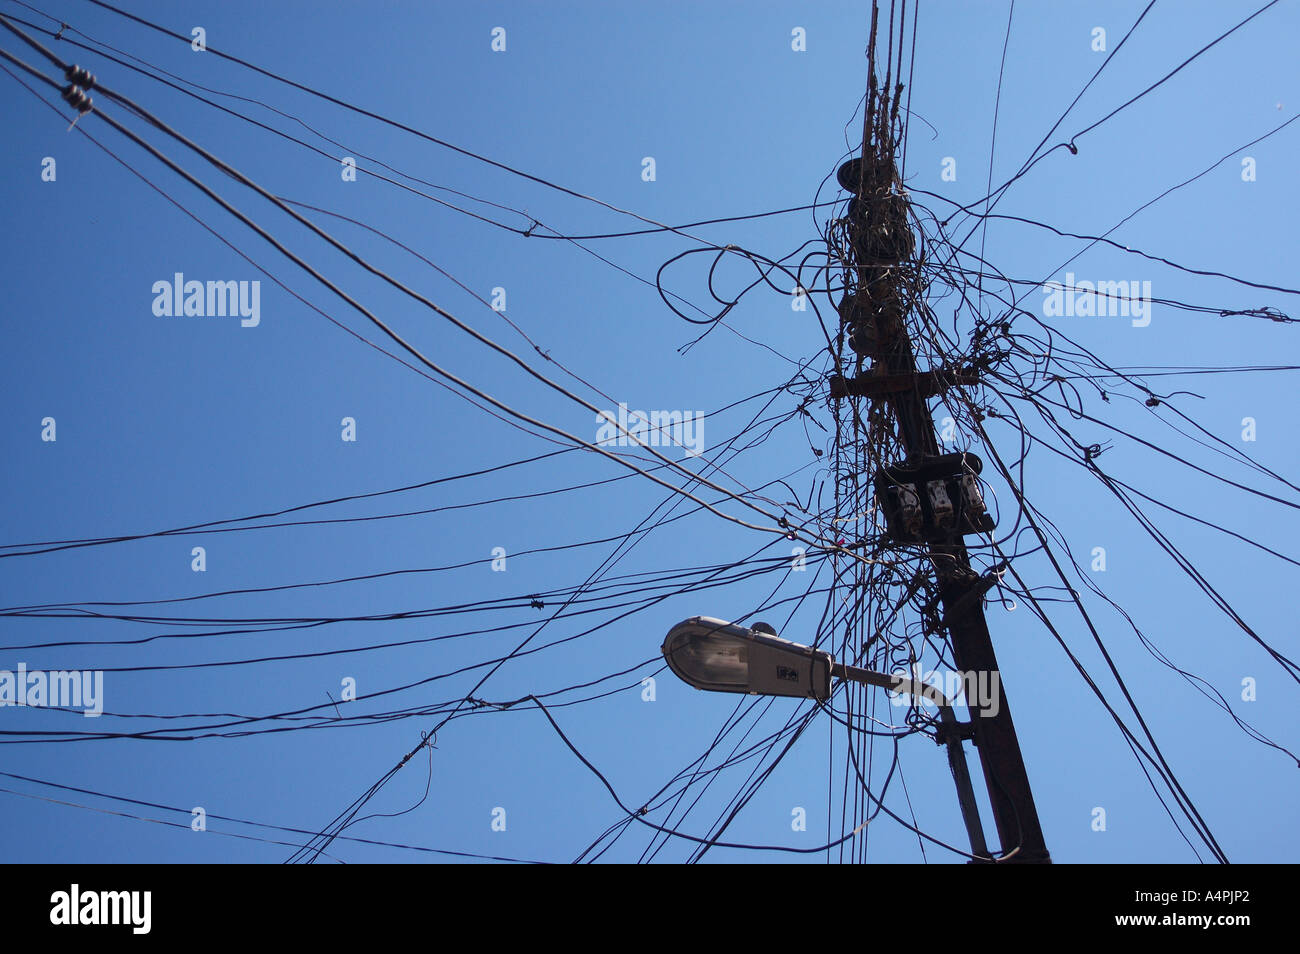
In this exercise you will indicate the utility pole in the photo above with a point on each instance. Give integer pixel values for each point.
(929, 499)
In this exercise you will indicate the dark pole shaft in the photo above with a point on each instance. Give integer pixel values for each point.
(960, 589)
(1005, 776)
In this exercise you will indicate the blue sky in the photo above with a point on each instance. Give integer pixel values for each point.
(171, 422)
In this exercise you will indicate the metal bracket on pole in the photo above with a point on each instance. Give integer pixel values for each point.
(961, 731)
(923, 383)
(953, 732)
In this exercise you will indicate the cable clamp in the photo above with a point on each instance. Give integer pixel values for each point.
(76, 97)
(80, 76)
(962, 731)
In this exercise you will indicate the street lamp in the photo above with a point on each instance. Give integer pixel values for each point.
(718, 656)
(724, 657)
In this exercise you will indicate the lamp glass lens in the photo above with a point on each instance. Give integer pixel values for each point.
(711, 659)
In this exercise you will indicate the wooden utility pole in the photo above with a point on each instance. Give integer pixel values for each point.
(880, 256)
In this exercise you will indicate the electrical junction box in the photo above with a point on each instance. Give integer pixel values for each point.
(902, 509)
(932, 499)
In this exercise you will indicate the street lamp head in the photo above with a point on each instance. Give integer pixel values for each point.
(712, 654)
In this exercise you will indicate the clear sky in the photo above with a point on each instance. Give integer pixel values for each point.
(162, 423)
